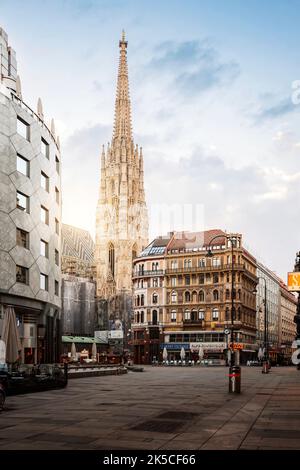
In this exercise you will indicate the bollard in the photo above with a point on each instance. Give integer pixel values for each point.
(265, 368)
(235, 379)
(66, 372)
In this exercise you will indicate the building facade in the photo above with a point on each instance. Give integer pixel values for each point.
(30, 217)
(121, 219)
(186, 297)
(78, 249)
(272, 282)
(79, 303)
(287, 328)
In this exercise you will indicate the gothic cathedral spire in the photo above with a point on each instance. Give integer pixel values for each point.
(122, 219)
(122, 124)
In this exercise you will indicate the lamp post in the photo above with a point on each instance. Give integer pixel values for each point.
(265, 368)
(234, 369)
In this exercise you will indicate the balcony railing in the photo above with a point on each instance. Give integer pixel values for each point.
(193, 322)
(221, 267)
(157, 272)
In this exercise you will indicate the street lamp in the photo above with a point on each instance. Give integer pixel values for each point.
(234, 369)
(265, 369)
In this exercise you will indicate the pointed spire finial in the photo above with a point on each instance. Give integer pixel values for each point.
(18, 87)
(53, 126)
(40, 109)
(122, 121)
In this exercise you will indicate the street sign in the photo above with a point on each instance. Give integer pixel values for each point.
(226, 331)
(294, 282)
(236, 346)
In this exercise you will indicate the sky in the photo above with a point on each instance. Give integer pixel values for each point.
(215, 91)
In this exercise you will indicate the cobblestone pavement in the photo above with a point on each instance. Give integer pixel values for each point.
(161, 408)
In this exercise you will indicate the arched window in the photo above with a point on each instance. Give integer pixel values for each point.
(215, 314)
(138, 301)
(138, 317)
(187, 263)
(215, 278)
(155, 282)
(154, 317)
(216, 262)
(142, 317)
(194, 296)
(155, 298)
(227, 294)
(201, 314)
(142, 299)
(227, 314)
(194, 315)
(187, 297)
(239, 294)
(187, 315)
(239, 313)
(201, 296)
(111, 259)
(153, 266)
(141, 269)
(216, 294)
(174, 297)
(173, 316)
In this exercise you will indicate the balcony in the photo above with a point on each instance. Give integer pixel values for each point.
(157, 272)
(195, 322)
(201, 269)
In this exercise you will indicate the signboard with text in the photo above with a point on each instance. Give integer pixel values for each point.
(294, 282)
(194, 347)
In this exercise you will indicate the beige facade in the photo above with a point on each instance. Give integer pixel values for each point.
(187, 296)
(287, 330)
(122, 220)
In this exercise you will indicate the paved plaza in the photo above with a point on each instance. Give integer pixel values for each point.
(160, 408)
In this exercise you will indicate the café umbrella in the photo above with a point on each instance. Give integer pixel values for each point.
(165, 354)
(260, 354)
(201, 353)
(73, 352)
(10, 336)
(182, 354)
(94, 351)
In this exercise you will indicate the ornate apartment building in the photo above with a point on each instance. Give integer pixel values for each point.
(287, 329)
(183, 298)
(122, 220)
(30, 216)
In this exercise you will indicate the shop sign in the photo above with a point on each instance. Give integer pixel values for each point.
(102, 335)
(237, 346)
(115, 334)
(174, 346)
(194, 347)
(294, 282)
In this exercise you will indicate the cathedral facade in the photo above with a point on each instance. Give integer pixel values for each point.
(121, 218)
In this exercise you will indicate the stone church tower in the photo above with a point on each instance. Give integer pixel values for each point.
(122, 218)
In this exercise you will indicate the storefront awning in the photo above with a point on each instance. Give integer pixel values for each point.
(82, 339)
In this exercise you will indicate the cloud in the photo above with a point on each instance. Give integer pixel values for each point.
(276, 110)
(192, 66)
(253, 201)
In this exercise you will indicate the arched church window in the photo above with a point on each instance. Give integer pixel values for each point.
(111, 259)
